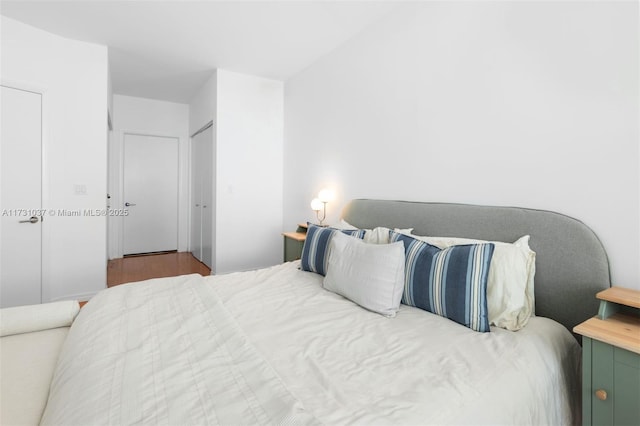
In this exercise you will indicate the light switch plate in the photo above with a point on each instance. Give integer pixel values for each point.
(81, 189)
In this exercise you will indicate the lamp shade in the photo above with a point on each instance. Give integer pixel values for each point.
(316, 204)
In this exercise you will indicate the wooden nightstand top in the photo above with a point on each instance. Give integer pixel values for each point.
(298, 236)
(618, 330)
(621, 295)
(618, 322)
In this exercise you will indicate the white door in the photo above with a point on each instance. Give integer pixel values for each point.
(20, 198)
(202, 208)
(150, 194)
(196, 196)
(207, 198)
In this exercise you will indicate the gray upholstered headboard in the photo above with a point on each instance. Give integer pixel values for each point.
(571, 263)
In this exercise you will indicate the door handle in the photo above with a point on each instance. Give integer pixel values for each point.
(32, 219)
(129, 204)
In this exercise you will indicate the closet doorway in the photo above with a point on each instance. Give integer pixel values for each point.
(202, 189)
(150, 194)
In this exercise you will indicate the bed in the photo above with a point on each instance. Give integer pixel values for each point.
(273, 346)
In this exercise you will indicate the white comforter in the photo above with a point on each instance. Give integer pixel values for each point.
(272, 346)
(167, 352)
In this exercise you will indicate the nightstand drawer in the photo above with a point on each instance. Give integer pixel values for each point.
(611, 360)
(612, 397)
(293, 245)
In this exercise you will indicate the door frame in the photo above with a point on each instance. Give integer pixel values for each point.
(45, 198)
(116, 239)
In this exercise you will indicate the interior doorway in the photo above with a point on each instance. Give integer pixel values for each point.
(21, 198)
(150, 194)
(202, 190)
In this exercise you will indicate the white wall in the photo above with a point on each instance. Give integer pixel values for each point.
(155, 118)
(247, 114)
(249, 138)
(73, 76)
(202, 108)
(109, 92)
(497, 103)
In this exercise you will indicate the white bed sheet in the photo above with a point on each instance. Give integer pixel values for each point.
(348, 365)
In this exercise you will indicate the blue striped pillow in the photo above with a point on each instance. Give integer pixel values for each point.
(451, 283)
(316, 246)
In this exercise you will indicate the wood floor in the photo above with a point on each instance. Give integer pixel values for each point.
(140, 268)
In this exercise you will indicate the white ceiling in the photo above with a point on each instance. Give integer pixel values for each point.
(167, 49)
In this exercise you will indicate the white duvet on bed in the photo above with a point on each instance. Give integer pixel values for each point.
(164, 351)
(346, 364)
(302, 354)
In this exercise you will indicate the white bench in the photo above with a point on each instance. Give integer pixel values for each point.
(31, 338)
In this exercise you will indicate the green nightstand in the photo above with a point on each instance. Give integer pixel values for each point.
(293, 243)
(611, 360)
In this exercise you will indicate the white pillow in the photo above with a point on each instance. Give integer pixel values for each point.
(343, 224)
(379, 235)
(510, 287)
(371, 275)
